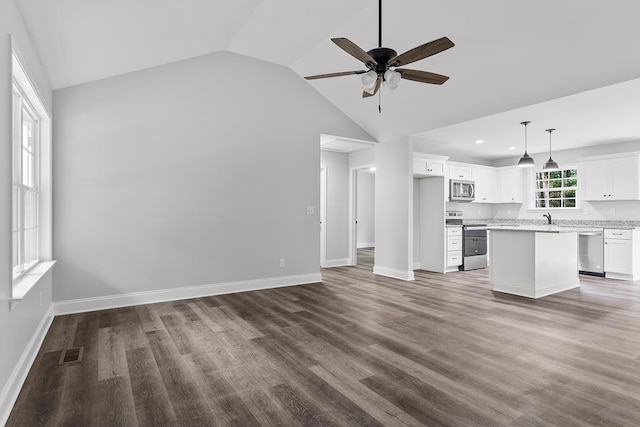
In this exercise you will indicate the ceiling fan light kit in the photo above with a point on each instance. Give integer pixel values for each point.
(381, 63)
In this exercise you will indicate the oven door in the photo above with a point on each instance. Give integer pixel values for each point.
(475, 242)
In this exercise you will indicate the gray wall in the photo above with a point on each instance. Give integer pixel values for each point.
(337, 222)
(365, 202)
(197, 172)
(17, 327)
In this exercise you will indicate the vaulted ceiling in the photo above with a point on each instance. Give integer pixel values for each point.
(508, 54)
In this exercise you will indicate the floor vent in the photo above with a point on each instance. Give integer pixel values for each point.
(71, 355)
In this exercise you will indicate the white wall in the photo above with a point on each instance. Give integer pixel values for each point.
(394, 209)
(188, 174)
(362, 158)
(18, 328)
(365, 203)
(622, 210)
(337, 221)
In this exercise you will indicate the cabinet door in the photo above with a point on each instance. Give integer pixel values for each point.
(511, 185)
(623, 179)
(617, 256)
(435, 167)
(595, 180)
(485, 180)
(459, 172)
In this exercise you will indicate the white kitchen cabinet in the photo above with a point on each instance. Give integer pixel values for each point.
(454, 248)
(428, 167)
(462, 172)
(621, 254)
(486, 185)
(611, 179)
(510, 182)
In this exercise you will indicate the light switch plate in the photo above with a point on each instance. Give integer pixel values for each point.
(309, 210)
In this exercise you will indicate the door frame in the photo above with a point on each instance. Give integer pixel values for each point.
(324, 181)
(353, 211)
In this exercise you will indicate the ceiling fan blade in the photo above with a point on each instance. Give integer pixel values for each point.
(366, 94)
(343, 73)
(354, 50)
(422, 76)
(421, 52)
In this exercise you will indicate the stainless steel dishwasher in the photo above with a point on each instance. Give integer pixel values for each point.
(591, 252)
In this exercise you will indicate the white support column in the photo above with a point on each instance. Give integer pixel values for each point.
(394, 209)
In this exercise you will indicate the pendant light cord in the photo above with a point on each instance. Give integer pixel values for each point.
(525, 136)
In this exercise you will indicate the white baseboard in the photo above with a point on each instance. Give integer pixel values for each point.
(396, 274)
(9, 393)
(337, 262)
(530, 292)
(149, 297)
(366, 245)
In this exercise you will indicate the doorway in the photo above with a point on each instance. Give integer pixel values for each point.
(362, 213)
(323, 217)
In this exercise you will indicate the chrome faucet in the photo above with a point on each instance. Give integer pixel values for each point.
(548, 216)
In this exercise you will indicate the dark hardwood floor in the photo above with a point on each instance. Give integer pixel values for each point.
(355, 350)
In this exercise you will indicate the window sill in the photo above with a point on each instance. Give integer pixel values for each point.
(23, 284)
(554, 210)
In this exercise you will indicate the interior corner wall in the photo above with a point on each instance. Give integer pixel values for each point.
(20, 328)
(190, 174)
(337, 220)
(365, 208)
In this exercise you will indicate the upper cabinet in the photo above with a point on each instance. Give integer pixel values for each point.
(462, 172)
(428, 166)
(486, 183)
(510, 182)
(616, 178)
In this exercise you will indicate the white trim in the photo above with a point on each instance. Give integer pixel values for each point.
(12, 388)
(393, 273)
(173, 294)
(416, 265)
(526, 291)
(23, 284)
(366, 245)
(337, 262)
(620, 276)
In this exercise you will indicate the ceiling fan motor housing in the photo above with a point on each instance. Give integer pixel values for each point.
(381, 55)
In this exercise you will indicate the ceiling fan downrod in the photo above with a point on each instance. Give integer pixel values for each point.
(379, 23)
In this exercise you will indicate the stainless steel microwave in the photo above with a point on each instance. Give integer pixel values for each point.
(461, 191)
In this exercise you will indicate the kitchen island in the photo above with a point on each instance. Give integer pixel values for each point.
(534, 261)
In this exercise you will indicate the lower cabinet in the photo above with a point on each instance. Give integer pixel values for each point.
(454, 248)
(621, 254)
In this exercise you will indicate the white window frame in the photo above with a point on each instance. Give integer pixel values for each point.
(533, 190)
(27, 276)
(21, 105)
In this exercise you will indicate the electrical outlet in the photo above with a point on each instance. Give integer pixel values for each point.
(281, 262)
(309, 210)
(508, 211)
(612, 211)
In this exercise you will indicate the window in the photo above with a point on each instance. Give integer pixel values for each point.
(25, 188)
(556, 189)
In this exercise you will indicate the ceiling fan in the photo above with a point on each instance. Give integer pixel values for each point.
(381, 63)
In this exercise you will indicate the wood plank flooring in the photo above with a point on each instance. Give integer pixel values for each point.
(355, 350)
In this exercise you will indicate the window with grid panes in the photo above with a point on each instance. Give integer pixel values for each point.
(25, 188)
(556, 189)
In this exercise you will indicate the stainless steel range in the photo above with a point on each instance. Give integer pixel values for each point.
(474, 246)
(474, 241)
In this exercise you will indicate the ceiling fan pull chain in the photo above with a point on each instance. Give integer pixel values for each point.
(379, 102)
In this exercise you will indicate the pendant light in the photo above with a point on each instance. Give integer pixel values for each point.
(550, 165)
(526, 161)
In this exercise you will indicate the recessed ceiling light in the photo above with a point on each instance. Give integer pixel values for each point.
(372, 168)
(479, 141)
(512, 148)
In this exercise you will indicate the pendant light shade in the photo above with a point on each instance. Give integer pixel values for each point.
(526, 161)
(551, 165)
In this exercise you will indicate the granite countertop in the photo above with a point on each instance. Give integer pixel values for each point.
(543, 228)
(609, 224)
